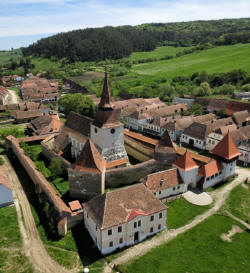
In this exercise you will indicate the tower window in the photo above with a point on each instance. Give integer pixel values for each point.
(112, 131)
(95, 130)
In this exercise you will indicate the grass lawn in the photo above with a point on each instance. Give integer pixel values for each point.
(180, 212)
(159, 52)
(199, 250)
(218, 59)
(238, 202)
(5, 56)
(11, 257)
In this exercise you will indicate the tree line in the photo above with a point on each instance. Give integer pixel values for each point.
(96, 44)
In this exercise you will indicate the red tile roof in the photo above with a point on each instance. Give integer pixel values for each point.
(166, 144)
(90, 159)
(120, 206)
(75, 205)
(185, 162)
(226, 148)
(163, 180)
(210, 169)
(117, 162)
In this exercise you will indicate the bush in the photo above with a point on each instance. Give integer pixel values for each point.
(55, 167)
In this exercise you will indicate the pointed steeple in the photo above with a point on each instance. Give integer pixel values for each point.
(90, 159)
(186, 162)
(226, 148)
(106, 99)
(165, 143)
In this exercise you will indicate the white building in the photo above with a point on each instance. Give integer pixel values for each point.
(244, 148)
(124, 217)
(165, 183)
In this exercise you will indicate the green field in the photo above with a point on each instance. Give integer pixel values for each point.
(5, 56)
(218, 59)
(180, 212)
(11, 257)
(201, 249)
(159, 52)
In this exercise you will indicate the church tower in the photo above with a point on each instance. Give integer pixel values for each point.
(107, 131)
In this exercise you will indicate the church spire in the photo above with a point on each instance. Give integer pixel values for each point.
(106, 99)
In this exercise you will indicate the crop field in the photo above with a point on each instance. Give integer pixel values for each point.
(214, 60)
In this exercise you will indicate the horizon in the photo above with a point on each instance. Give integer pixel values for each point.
(31, 20)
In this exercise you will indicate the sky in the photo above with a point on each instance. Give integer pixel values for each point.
(23, 22)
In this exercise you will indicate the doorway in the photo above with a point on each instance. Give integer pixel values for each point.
(136, 237)
(191, 142)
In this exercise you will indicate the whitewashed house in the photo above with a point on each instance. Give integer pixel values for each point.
(123, 217)
(165, 183)
(244, 148)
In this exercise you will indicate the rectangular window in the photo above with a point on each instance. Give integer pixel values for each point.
(216, 174)
(151, 229)
(111, 244)
(120, 229)
(160, 215)
(109, 232)
(212, 177)
(159, 226)
(139, 223)
(173, 188)
(121, 241)
(159, 192)
(220, 172)
(152, 218)
(135, 225)
(95, 227)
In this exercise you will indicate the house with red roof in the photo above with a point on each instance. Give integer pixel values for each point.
(124, 217)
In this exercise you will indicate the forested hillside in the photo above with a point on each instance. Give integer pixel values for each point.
(96, 44)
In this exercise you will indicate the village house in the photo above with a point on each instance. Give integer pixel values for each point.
(187, 102)
(242, 95)
(216, 136)
(39, 90)
(244, 148)
(44, 125)
(124, 217)
(3, 95)
(26, 116)
(241, 118)
(177, 126)
(196, 134)
(165, 183)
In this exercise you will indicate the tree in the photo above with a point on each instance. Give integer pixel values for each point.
(55, 167)
(207, 91)
(42, 168)
(195, 109)
(77, 103)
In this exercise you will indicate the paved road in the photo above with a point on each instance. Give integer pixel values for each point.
(32, 245)
(13, 97)
(141, 249)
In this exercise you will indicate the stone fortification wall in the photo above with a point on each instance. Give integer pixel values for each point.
(85, 185)
(47, 151)
(58, 209)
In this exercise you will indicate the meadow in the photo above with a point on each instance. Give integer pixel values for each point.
(201, 249)
(214, 60)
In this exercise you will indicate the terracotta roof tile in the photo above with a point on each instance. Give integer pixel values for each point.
(75, 205)
(226, 148)
(90, 159)
(120, 206)
(210, 169)
(117, 162)
(163, 180)
(185, 162)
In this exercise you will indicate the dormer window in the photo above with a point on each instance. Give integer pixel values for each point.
(161, 182)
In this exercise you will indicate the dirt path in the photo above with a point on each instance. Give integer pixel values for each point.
(13, 97)
(141, 249)
(32, 244)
